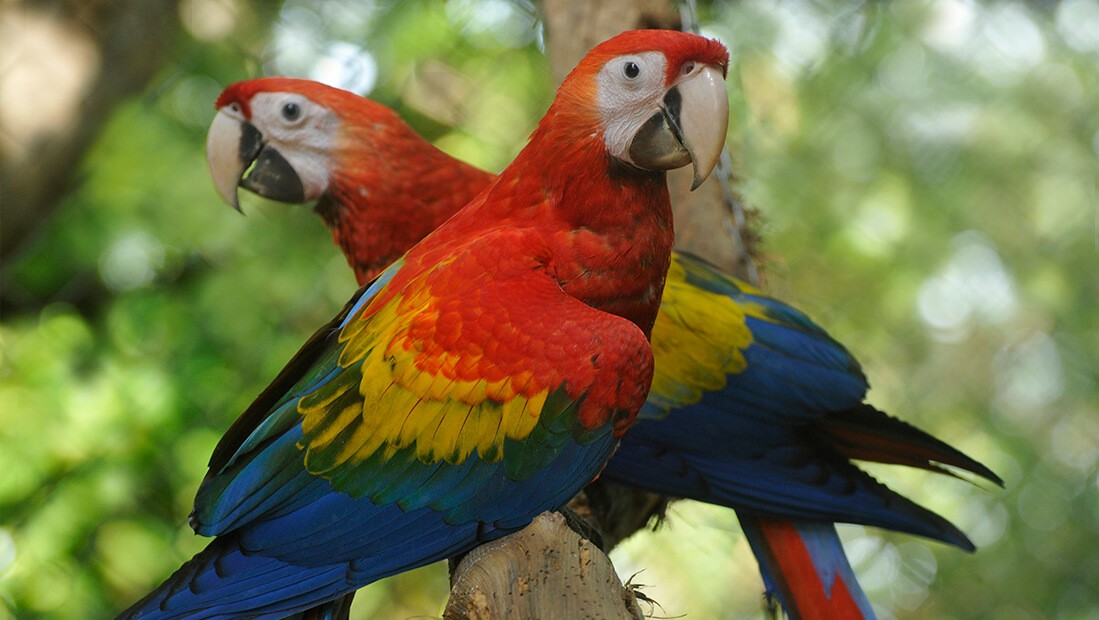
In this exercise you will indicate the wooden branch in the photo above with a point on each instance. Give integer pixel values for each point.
(543, 572)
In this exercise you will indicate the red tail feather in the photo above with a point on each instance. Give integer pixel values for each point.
(808, 567)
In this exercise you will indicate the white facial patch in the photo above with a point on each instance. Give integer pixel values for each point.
(302, 132)
(630, 91)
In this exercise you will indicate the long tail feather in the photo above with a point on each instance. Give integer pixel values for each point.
(867, 434)
(804, 563)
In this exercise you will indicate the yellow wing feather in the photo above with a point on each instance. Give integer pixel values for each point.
(699, 338)
(403, 399)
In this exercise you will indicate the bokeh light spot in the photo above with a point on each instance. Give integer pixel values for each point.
(347, 66)
(209, 20)
(131, 261)
(973, 287)
(1028, 379)
(1078, 23)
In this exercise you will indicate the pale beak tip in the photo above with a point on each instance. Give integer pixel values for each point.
(223, 157)
(234, 201)
(705, 130)
(228, 195)
(697, 182)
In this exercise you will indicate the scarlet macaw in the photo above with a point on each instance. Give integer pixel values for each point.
(484, 377)
(753, 406)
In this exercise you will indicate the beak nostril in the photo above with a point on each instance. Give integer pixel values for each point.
(688, 68)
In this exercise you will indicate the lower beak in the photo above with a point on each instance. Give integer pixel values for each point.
(232, 147)
(690, 127)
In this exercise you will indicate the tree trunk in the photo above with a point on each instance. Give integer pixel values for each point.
(94, 54)
(542, 571)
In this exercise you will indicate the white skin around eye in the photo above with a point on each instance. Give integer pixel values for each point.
(626, 102)
(303, 132)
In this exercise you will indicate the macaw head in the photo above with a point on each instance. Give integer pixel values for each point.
(656, 97)
(285, 138)
(660, 103)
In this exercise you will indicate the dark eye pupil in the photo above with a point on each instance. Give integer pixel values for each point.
(632, 70)
(291, 111)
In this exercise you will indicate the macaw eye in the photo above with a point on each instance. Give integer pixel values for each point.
(291, 111)
(631, 70)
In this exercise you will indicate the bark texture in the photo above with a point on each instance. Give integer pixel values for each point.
(543, 571)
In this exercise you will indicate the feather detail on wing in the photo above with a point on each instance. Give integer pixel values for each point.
(426, 394)
(718, 335)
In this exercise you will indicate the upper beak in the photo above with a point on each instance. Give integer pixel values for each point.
(233, 145)
(690, 127)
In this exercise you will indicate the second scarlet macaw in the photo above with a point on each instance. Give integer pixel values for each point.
(484, 377)
(753, 406)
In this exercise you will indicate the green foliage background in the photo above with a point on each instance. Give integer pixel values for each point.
(926, 175)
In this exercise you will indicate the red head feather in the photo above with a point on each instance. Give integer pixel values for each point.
(330, 97)
(678, 47)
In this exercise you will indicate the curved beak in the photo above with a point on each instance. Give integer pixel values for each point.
(690, 127)
(233, 147)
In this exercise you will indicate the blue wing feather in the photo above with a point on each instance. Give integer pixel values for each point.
(754, 444)
(289, 539)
